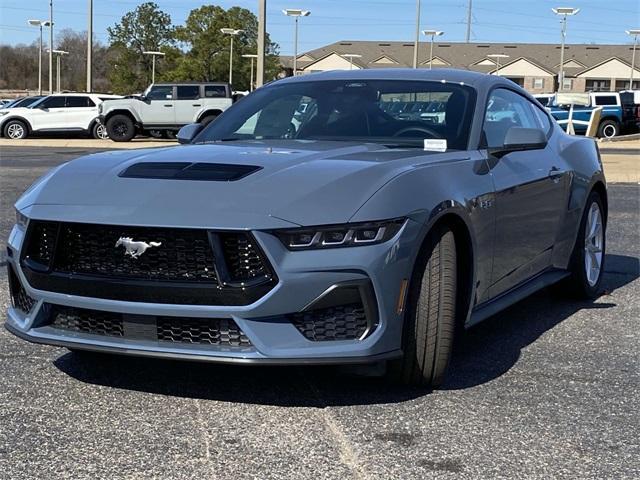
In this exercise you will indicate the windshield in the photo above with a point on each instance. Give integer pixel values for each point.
(393, 112)
(25, 102)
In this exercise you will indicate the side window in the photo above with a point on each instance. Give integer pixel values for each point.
(215, 91)
(506, 109)
(188, 92)
(54, 102)
(161, 92)
(606, 100)
(77, 102)
(542, 118)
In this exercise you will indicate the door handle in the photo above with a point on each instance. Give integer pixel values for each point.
(555, 173)
(168, 105)
(196, 105)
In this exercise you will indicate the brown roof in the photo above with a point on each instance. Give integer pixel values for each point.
(464, 55)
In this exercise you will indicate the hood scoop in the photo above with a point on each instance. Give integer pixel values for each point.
(212, 172)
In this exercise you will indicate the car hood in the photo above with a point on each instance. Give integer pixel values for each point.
(297, 183)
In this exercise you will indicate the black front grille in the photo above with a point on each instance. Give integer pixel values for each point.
(345, 322)
(150, 264)
(203, 331)
(19, 296)
(213, 331)
(87, 321)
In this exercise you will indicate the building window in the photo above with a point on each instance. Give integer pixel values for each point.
(624, 85)
(567, 83)
(517, 80)
(538, 83)
(598, 86)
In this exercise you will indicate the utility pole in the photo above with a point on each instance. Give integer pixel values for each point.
(90, 48)
(50, 47)
(415, 47)
(469, 17)
(563, 12)
(262, 28)
(634, 34)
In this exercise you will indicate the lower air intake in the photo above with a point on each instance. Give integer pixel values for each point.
(345, 322)
(82, 320)
(19, 296)
(214, 331)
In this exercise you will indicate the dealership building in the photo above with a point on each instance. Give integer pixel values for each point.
(587, 67)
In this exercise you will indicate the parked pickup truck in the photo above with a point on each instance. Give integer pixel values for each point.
(165, 107)
(611, 121)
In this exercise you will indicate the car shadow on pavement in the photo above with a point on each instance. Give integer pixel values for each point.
(483, 354)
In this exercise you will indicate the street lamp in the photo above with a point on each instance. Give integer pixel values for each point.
(90, 48)
(39, 24)
(232, 32)
(50, 46)
(59, 54)
(415, 45)
(496, 58)
(252, 56)
(296, 13)
(432, 34)
(634, 34)
(564, 12)
(153, 54)
(351, 56)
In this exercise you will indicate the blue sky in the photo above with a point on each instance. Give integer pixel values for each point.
(333, 20)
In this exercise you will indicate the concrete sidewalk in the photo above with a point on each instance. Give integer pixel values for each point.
(85, 143)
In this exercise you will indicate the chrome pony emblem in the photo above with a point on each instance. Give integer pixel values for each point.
(135, 249)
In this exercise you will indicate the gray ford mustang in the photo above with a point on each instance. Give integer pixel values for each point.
(314, 223)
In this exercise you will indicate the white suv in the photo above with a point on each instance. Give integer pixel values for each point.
(61, 112)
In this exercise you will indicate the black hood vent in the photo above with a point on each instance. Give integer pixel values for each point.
(212, 172)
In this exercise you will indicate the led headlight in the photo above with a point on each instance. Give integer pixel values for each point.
(334, 236)
(21, 219)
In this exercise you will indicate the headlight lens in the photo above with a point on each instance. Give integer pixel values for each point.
(21, 219)
(335, 236)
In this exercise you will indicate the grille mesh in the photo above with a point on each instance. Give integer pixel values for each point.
(347, 322)
(242, 257)
(21, 299)
(215, 331)
(87, 321)
(42, 236)
(184, 255)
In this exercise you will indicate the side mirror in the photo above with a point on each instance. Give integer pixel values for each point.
(187, 133)
(519, 139)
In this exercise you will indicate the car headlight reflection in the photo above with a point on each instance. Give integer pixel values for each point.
(21, 219)
(334, 236)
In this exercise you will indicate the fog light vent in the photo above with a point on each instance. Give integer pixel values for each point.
(19, 296)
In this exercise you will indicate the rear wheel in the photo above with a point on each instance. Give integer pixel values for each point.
(608, 129)
(207, 120)
(587, 260)
(431, 312)
(15, 129)
(120, 128)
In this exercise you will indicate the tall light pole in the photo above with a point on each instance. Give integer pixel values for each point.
(59, 54)
(39, 24)
(50, 46)
(564, 12)
(153, 54)
(634, 34)
(232, 32)
(469, 20)
(496, 58)
(296, 13)
(351, 56)
(262, 33)
(415, 46)
(432, 34)
(90, 48)
(252, 56)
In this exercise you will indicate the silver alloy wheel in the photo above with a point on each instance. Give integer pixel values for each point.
(593, 244)
(15, 130)
(101, 132)
(609, 131)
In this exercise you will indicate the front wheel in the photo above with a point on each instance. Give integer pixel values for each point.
(15, 130)
(431, 314)
(120, 128)
(99, 131)
(587, 259)
(608, 129)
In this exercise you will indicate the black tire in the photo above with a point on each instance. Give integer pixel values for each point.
(430, 319)
(16, 129)
(169, 134)
(99, 131)
(121, 128)
(608, 129)
(578, 284)
(206, 120)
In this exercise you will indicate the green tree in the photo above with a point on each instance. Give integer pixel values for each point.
(207, 57)
(147, 28)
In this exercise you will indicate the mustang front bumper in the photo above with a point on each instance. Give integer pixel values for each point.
(276, 326)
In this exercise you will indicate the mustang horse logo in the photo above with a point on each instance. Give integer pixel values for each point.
(135, 249)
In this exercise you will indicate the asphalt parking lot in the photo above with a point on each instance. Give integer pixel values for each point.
(547, 389)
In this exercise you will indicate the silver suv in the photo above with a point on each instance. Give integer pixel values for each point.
(164, 108)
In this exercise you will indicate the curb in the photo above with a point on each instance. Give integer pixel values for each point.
(620, 138)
